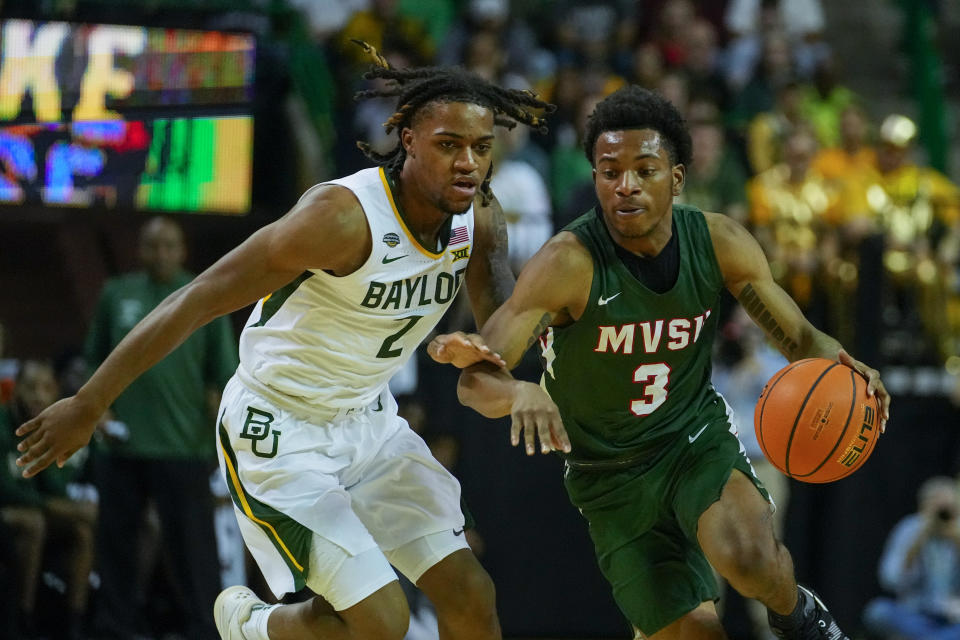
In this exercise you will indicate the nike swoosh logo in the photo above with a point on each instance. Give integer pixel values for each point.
(697, 434)
(602, 301)
(388, 260)
(458, 532)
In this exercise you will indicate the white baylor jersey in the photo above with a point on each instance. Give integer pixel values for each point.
(326, 343)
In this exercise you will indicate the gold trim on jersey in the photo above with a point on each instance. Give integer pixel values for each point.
(403, 225)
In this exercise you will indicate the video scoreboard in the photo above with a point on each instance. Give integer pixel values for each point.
(125, 117)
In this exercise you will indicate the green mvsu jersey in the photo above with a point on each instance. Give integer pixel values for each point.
(633, 373)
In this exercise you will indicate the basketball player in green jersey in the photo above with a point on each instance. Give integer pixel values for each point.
(330, 485)
(624, 304)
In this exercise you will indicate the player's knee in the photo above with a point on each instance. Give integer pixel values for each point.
(391, 623)
(702, 623)
(471, 600)
(741, 556)
(383, 616)
(480, 596)
(478, 609)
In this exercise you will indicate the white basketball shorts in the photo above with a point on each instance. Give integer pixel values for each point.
(330, 506)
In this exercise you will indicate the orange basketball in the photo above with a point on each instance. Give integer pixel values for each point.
(815, 421)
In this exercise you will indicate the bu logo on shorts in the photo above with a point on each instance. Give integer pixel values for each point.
(256, 428)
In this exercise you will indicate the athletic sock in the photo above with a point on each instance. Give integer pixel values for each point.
(255, 628)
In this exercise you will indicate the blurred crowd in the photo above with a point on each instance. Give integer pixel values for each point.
(858, 228)
(836, 192)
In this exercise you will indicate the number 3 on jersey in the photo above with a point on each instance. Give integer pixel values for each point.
(386, 349)
(655, 379)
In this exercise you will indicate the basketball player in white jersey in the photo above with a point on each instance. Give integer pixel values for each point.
(330, 486)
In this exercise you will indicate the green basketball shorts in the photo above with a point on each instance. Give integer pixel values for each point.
(643, 522)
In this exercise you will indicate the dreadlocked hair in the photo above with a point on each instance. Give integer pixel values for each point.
(634, 107)
(416, 88)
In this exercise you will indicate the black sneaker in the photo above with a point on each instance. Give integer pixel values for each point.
(816, 622)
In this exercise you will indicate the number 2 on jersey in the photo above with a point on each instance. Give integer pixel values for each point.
(386, 349)
(655, 379)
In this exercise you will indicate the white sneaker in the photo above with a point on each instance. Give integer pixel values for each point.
(232, 609)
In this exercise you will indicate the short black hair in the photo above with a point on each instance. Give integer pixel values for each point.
(634, 107)
(417, 88)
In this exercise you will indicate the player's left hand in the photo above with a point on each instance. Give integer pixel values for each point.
(535, 415)
(462, 350)
(874, 385)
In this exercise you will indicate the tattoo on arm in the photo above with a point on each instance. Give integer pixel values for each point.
(762, 316)
(538, 330)
(500, 272)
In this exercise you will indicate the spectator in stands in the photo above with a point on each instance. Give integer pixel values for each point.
(769, 130)
(518, 143)
(675, 87)
(702, 63)
(824, 101)
(326, 17)
(849, 170)
(920, 566)
(571, 181)
(582, 28)
(566, 91)
(384, 25)
(775, 71)
(854, 153)
(164, 451)
(522, 193)
(646, 65)
(788, 203)
(750, 22)
(672, 35)
(48, 517)
(517, 41)
(484, 55)
(716, 179)
(918, 209)
(910, 185)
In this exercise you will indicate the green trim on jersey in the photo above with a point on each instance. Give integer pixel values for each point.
(273, 302)
(291, 539)
(632, 374)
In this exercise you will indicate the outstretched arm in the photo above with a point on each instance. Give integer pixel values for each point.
(747, 276)
(268, 260)
(552, 290)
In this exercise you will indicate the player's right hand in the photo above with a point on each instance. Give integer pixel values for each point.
(462, 350)
(535, 415)
(57, 433)
(874, 385)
